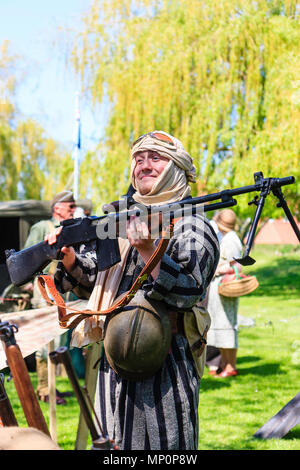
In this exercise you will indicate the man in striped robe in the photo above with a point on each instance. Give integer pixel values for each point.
(161, 412)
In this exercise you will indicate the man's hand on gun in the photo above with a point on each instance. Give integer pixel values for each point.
(138, 236)
(68, 251)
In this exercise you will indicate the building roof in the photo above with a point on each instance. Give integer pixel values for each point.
(277, 232)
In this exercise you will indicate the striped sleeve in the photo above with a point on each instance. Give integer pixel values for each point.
(82, 276)
(188, 265)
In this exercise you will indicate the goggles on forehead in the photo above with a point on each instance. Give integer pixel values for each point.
(157, 136)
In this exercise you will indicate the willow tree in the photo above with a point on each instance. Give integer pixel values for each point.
(8, 166)
(32, 164)
(221, 75)
(44, 167)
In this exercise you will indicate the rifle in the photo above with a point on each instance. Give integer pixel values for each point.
(7, 415)
(23, 265)
(99, 441)
(24, 387)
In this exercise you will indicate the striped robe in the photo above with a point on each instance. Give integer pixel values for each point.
(160, 412)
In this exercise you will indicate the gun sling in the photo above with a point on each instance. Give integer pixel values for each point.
(45, 280)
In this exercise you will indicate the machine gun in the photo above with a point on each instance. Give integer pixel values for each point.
(104, 230)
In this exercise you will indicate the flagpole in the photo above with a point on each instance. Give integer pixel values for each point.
(77, 147)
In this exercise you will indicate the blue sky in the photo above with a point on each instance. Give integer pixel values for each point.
(47, 93)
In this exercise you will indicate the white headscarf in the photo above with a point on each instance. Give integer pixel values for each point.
(173, 183)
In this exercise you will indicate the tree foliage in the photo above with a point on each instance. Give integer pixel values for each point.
(223, 76)
(32, 164)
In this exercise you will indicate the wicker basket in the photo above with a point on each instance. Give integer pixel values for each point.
(241, 285)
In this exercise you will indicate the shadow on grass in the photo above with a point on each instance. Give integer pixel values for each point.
(293, 433)
(243, 359)
(263, 370)
(279, 278)
(212, 383)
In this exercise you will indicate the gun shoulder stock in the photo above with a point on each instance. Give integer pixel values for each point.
(24, 264)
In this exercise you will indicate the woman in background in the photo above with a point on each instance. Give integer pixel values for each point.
(223, 333)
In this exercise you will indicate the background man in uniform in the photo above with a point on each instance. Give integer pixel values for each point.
(62, 207)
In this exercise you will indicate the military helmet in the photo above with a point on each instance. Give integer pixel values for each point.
(138, 338)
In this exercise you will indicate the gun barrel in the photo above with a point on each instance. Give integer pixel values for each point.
(6, 412)
(283, 181)
(62, 355)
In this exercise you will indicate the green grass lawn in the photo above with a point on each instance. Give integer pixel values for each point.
(67, 415)
(232, 410)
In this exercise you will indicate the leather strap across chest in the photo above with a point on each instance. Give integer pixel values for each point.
(45, 282)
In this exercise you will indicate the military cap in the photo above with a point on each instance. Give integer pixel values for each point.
(63, 196)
